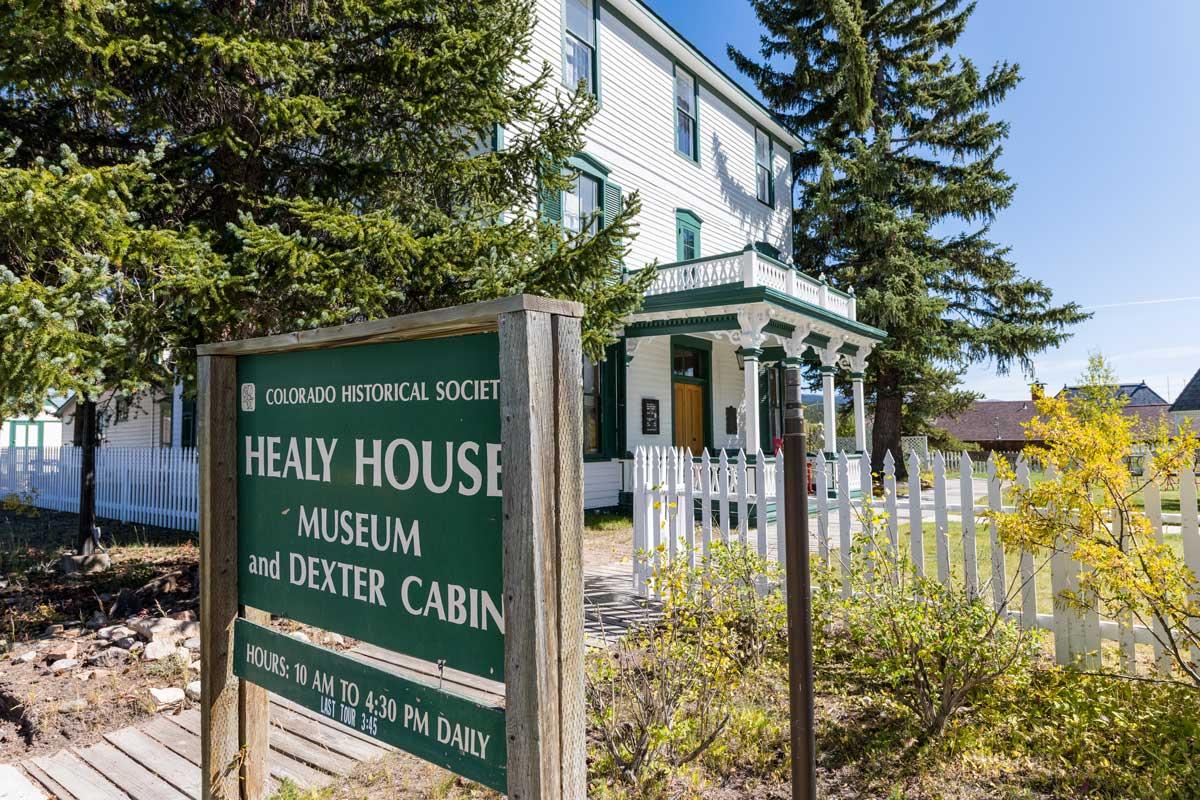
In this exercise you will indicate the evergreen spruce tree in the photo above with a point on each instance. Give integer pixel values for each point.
(901, 147)
(328, 162)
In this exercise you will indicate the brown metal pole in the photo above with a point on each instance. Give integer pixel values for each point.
(799, 591)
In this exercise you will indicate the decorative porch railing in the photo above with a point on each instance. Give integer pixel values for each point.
(751, 268)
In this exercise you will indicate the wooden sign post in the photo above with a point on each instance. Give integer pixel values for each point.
(414, 483)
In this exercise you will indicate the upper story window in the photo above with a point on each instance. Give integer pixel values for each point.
(579, 44)
(581, 204)
(687, 129)
(687, 235)
(764, 159)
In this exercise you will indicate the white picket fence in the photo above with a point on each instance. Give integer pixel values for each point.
(683, 504)
(150, 485)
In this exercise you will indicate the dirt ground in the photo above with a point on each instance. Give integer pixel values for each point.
(72, 665)
(607, 539)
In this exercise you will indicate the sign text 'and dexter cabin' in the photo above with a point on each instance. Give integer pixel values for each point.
(369, 503)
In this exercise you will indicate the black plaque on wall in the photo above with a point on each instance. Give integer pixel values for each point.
(731, 415)
(650, 425)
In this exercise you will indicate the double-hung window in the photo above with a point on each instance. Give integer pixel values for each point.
(764, 158)
(687, 235)
(579, 45)
(687, 131)
(593, 409)
(580, 206)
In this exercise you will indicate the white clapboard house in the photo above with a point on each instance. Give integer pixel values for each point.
(700, 365)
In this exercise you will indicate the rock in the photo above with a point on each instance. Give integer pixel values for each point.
(163, 628)
(3, 645)
(110, 657)
(53, 630)
(114, 632)
(184, 616)
(84, 565)
(335, 638)
(62, 665)
(28, 655)
(100, 674)
(72, 633)
(193, 690)
(192, 643)
(60, 650)
(97, 621)
(299, 636)
(195, 665)
(183, 655)
(167, 696)
(158, 650)
(126, 643)
(76, 706)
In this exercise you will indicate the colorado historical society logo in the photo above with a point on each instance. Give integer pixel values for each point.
(247, 397)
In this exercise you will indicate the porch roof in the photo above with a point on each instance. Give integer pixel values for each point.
(716, 308)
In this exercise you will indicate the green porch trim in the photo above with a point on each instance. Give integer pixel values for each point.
(703, 346)
(737, 294)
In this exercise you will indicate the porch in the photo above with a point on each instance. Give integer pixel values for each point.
(701, 367)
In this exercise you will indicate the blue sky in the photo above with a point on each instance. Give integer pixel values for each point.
(1103, 147)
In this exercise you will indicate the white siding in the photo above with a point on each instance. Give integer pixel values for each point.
(649, 376)
(634, 135)
(51, 431)
(141, 429)
(601, 484)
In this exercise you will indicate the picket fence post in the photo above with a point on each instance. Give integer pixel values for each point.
(822, 481)
(781, 507)
(893, 519)
(915, 522)
(706, 494)
(1029, 618)
(1152, 499)
(996, 506)
(941, 521)
(1189, 531)
(966, 489)
(845, 543)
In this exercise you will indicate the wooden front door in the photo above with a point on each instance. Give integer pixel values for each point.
(689, 416)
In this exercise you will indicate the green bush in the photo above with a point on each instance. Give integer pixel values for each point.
(933, 648)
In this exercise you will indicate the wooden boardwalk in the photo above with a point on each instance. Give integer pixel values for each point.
(159, 758)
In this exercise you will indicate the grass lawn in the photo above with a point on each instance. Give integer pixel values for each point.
(983, 551)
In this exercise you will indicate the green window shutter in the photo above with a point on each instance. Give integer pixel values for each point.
(612, 202)
(550, 203)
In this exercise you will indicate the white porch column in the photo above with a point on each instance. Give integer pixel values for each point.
(858, 368)
(829, 363)
(750, 357)
(753, 321)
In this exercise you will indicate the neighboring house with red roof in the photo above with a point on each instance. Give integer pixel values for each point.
(1001, 424)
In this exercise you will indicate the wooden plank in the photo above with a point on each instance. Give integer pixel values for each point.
(283, 704)
(325, 736)
(67, 770)
(254, 720)
(311, 753)
(472, 686)
(178, 740)
(473, 317)
(531, 591)
(15, 786)
(46, 782)
(133, 779)
(220, 698)
(568, 480)
(158, 758)
(995, 504)
(279, 764)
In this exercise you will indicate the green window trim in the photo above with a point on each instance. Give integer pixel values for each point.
(679, 113)
(687, 235)
(611, 405)
(550, 204)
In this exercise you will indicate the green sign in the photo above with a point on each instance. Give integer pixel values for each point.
(451, 731)
(369, 495)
